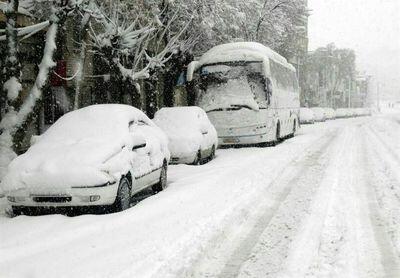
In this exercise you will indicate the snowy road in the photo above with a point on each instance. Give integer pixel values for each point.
(323, 204)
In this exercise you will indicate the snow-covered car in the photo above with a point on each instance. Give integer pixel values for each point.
(306, 116)
(330, 113)
(98, 156)
(319, 114)
(342, 113)
(192, 137)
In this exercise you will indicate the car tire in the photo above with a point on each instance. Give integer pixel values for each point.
(16, 211)
(162, 184)
(123, 199)
(212, 155)
(197, 160)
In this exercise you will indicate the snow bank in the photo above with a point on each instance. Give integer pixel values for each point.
(184, 126)
(90, 146)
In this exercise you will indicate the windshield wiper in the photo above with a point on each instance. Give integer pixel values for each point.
(213, 110)
(234, 107)
(240, 106)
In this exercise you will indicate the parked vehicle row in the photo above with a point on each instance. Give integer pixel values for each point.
(318, 114)
(101, 155)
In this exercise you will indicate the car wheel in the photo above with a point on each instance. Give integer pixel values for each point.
(212, 155)
(197, 160)
(16, 211)
(123, 199)
(162, 184)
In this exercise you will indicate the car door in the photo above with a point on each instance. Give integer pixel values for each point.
(140, 161)
(154, 154)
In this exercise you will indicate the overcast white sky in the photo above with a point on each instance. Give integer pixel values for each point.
(371, 27)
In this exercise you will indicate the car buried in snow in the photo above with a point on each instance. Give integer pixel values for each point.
(98, 156)
(319, 114)
(306, 116)
(192, 137)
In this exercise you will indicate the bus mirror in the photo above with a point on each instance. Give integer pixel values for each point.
(192, 67)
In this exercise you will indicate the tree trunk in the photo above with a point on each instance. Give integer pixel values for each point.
(12, 68)
(13, 119)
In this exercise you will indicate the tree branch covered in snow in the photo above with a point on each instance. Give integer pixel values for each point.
(131, 38)
(15, 117)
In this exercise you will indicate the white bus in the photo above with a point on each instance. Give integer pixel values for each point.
(250, 93)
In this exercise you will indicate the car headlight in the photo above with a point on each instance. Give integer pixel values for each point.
(14, 199)
(11, 199)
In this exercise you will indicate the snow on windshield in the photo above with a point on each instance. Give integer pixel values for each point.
(232, 87)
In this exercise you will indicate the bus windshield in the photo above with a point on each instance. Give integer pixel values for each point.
(232, 86)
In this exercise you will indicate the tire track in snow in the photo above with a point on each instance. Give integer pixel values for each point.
(385, 184)
(389, 260)
(299, 171)
(321, 246)
(220, 252)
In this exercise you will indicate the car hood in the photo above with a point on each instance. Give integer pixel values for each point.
(62, 165)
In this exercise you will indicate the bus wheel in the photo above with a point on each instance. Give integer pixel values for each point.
(277, 135)
(294, 128)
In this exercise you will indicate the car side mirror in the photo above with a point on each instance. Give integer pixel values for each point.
(138, 142)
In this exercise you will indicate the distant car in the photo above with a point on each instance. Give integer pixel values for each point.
(192, 137)
(319, 114)
(342, 113)
(330, 113)
(98, 156)
(306, 116)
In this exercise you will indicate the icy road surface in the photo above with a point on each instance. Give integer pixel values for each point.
(324, 204)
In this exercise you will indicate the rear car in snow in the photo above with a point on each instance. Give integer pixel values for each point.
(250, 93)
(306, 116)
(98, 156)
(330, 113)
(192, 137)
(319, 114)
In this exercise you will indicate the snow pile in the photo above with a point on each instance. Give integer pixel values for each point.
(90, 146)
(234, 93)
(240, 51)
(184, 127)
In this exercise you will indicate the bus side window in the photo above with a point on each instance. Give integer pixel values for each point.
(268, 90)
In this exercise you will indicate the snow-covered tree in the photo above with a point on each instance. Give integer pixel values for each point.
(17, 115)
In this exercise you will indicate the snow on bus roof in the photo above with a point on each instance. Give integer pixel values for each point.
(241, 51)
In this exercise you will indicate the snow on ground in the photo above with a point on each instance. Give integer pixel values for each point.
(323, 204)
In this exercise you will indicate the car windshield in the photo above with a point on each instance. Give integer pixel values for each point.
(232, 86)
